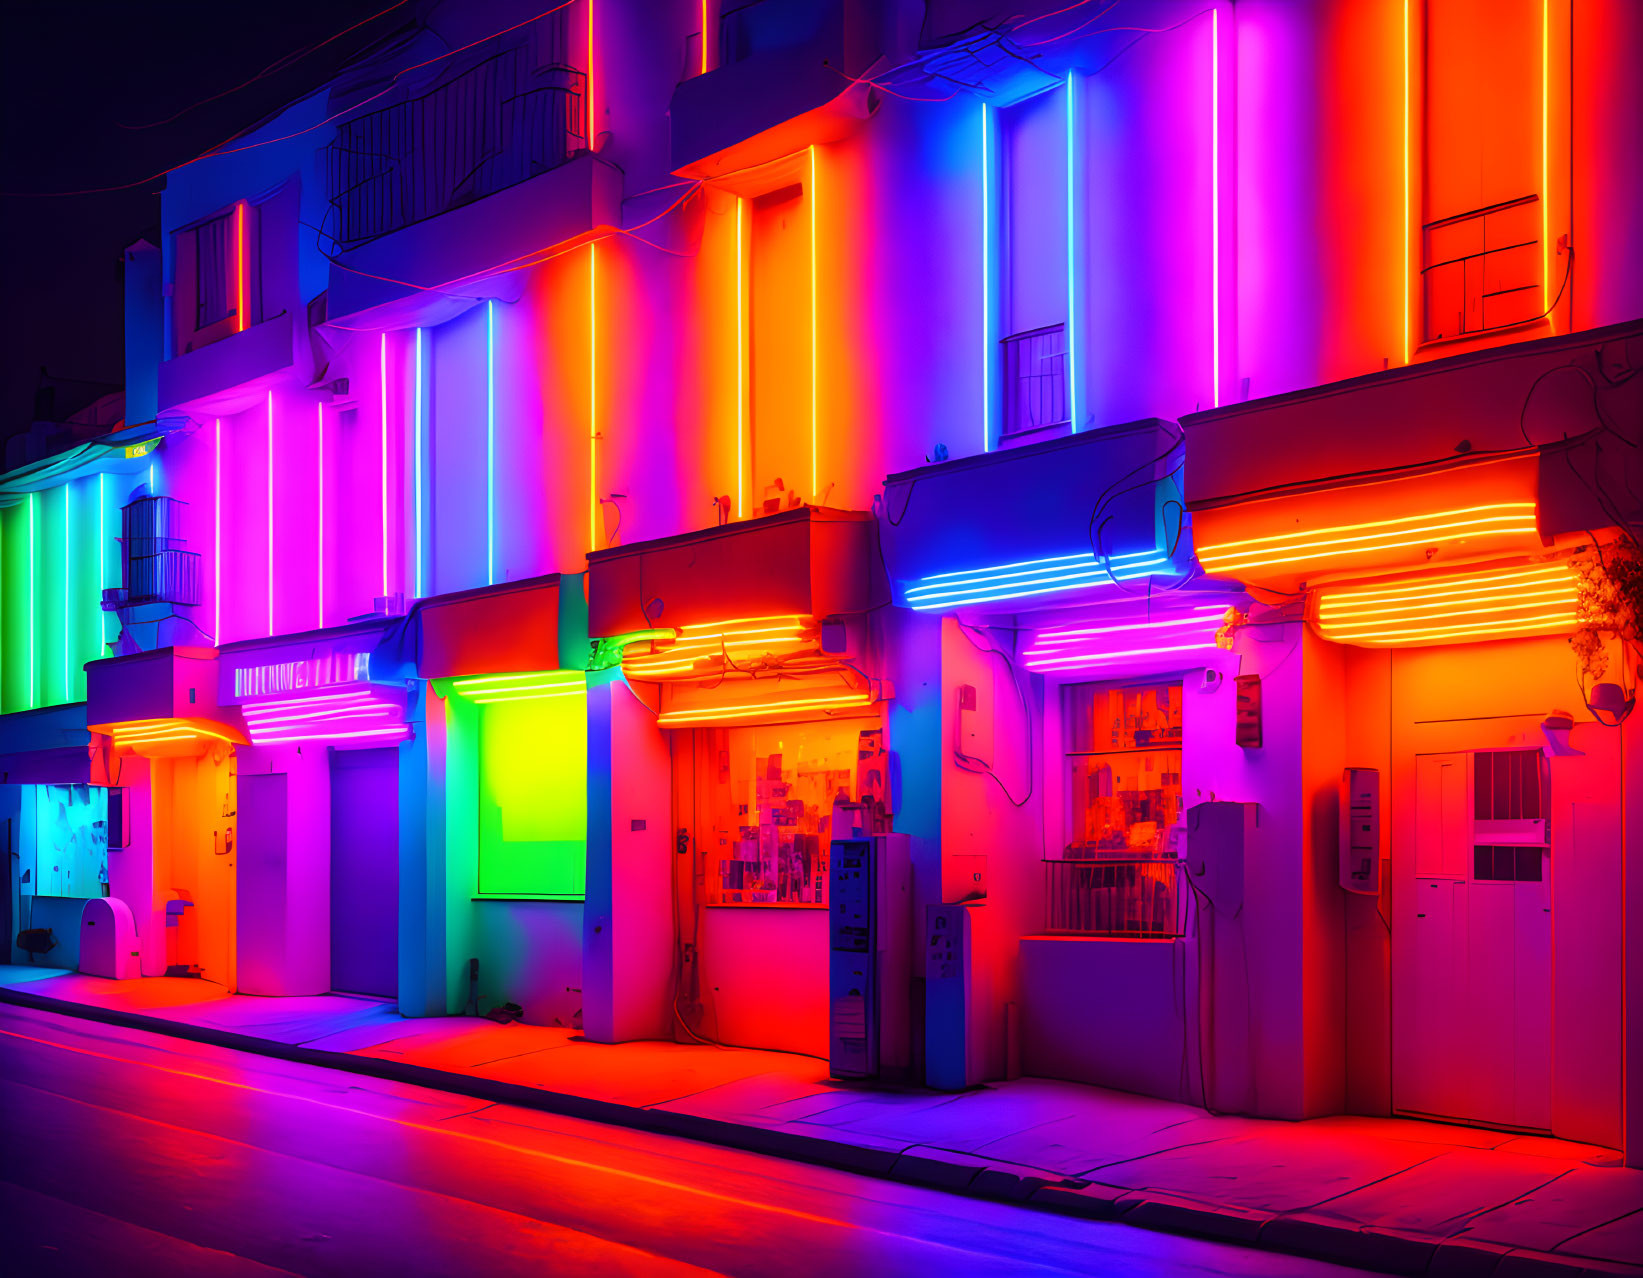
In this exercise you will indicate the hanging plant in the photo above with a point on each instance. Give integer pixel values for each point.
(1609, 605)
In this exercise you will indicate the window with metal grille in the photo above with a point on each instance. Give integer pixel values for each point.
(1510, 830)
(1035, 379)
(214, 270)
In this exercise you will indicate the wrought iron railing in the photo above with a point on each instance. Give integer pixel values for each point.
(154, 566)
(493, 127)
(1134, 897)
(1035, 379)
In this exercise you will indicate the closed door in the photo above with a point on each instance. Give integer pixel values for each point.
(1472, 970)
(365, 871)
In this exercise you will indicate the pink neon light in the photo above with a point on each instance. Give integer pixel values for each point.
(1079, 647)
(1215, 205)
(270, 512)
(216, 524)
(307, 716)
(384, 362)
(362, 694)
(400, 731)
(319, 518)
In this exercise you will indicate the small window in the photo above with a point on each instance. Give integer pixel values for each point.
(214, 291)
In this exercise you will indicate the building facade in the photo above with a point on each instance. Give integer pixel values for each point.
(962, 539)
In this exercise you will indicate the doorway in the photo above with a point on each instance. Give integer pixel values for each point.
(365, 871)
(1471, 988)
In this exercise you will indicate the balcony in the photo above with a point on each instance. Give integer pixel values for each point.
(786, 77)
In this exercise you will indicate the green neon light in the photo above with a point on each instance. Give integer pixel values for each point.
(539, 681)
(31, 601)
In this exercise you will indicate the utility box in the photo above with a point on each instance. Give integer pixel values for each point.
(869, 974)
(108, 939)
(1361, 831)
(946, 997)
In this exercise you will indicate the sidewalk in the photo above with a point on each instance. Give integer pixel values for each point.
(1392, 1194)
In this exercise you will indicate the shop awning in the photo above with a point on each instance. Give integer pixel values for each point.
(1047, 525)
(510, 627)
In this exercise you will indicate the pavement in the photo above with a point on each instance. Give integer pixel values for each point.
(1391, 1194)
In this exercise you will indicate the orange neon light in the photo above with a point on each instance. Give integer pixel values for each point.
(677, 718)
(704, 37)
(1517, 601)
(1352, 539)
(593, 395)
(815, 366)
(241, 269)
(730, 641)
(593, 114)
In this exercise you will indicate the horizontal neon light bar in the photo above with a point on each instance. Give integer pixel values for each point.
(1028, 578)
(677, 718)
(729, 642)
(1077, 647)
(1085, 660)
(400, 731)
(327, 699)
(1370, 537)
(529, 696)
(1471, 606)
(529, 679)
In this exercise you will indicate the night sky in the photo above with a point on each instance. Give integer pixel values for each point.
(72, 73)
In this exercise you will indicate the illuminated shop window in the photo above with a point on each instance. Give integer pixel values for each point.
(764, 807)
(69, 843)
(1483, 218)
(1118, 874)
(532, 790)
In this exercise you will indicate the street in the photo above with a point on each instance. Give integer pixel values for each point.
(146, 1155)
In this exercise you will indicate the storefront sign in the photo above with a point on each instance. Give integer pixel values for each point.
(323, 670)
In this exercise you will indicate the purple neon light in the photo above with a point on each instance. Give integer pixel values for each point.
(1083, 647)
(330, 717)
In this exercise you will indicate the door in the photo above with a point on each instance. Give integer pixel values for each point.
(365, 871)
(1472, 974)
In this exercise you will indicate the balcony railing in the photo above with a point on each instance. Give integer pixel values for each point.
(1035, 379)
(1138, 898)
(493, 127)
(154, 565)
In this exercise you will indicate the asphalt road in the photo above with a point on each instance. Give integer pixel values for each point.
(129, 1153)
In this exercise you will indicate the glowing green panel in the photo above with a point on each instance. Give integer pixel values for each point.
(532, 797)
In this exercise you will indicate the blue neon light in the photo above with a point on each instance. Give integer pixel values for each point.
(1072, 252)
(1032, 577)
(987, 353)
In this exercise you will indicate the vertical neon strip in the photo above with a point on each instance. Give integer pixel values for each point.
(593, 114)
(31, 601)
(986, 285)
(704, 37)
(319, 518)
(815, 365)
(593, 395)
(741, 369)
(383, 361)
(216, 537)
(241, 268)
(102, 562)
(270, 512)
(490, 443)
(416, 449)
(1072, 253)
(68, 593)
(1545, 165)
(1215, 207)
(1408, 208)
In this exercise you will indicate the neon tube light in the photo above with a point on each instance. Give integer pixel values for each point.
(216, 530)
(545, 679)
(1545, 166)
(725, 642)
(490, 437)
(319, 518)
(593, 113)
(678, 718)
(1078, 647)
(1215, 206)
(68, 591)
(400, 731)
(325, 699)
(270, 512)
(986, 286)
(593, 395)
(1072, 251)
(1029, 578)
(1347, 539)
(1518, 601)
(383, 361)
(741, 366)
(241, 269)
(704, 37)
(815, 365)
(416, 417)
(1408, 208)
(102, 563)
(31, 601)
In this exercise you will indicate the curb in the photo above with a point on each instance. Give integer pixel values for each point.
(1297, 1233)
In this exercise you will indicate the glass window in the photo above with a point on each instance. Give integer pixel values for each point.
(533, 805)
(764, 807)
(1123, 760)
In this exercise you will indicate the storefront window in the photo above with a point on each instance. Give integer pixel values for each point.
(1123, 770)
(764, 806)
(532, 794)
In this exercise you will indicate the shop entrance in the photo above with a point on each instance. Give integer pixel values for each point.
(1472, 1004)
(365, 871)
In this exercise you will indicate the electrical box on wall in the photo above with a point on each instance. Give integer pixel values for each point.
(946, 997)
(1248, 731)
(1361, 831)
(868, 954)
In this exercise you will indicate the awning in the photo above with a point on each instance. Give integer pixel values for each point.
(494, 629)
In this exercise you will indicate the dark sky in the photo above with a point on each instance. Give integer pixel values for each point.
(71, 73)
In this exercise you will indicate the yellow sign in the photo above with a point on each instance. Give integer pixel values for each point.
(143, 449)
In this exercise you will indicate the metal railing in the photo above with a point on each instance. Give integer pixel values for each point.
(493, 127)
(1035, 379)
(1134, 897)
(154, 566)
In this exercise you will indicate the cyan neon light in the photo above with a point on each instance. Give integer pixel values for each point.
(986, 282)
(490, 439)
(1081, 647)
(1029, 578)
(1072, 250)
(416, 417)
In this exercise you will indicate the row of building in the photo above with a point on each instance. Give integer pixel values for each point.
(1094, 540)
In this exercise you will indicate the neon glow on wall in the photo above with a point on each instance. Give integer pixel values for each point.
(216, 538)
(382, 358)
(242, 271)
(319, 518)
(593, 394)
(986, 260)
(537, 685)
(169, 736)
(490, 438)
(1461, 607)
(712, 647)
(336, 716)
(764, 709)
(1545, 166)
(1372, 537)
(1073, 150)
(1034, 577)
(1078, 648)
(741, 362)
(1215, 206)
(270, 512)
